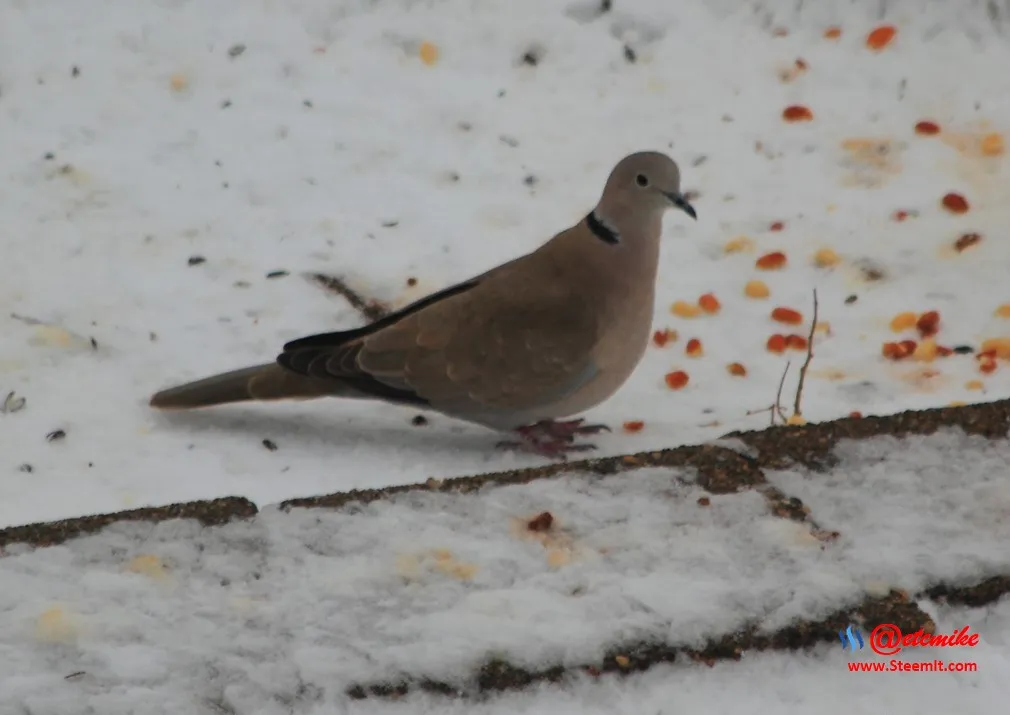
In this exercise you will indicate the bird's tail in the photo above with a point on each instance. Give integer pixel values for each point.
(259, 382)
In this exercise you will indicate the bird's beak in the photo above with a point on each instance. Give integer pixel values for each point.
(678, 200)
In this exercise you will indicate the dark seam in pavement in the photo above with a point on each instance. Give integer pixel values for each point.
(499, 675)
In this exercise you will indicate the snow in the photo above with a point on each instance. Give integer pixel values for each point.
(334, 129)
(913, 520)
(433, 585)
(160, 159)
(812, 682)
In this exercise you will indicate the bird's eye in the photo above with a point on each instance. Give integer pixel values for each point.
(642, 180)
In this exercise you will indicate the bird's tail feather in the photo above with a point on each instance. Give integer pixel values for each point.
(259, 382)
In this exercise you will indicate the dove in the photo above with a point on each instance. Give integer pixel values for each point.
(545, 336)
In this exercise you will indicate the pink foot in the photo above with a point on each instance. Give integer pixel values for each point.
(563, 430)
(551, 438)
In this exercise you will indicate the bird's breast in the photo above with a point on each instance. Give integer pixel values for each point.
(623, 339)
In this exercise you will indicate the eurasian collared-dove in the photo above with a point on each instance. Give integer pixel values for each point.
(547, 335)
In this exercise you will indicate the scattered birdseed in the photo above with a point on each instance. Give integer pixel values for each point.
(12, 403)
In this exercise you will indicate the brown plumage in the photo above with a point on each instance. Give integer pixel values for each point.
(544, 336)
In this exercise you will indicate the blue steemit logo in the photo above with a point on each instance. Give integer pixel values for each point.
(851, 637)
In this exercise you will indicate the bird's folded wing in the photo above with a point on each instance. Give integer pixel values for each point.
(485, 348)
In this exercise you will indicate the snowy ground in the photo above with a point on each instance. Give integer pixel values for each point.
(283, 613)
(162, 159)
(137, 136)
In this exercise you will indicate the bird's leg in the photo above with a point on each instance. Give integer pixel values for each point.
(565, 429)
(552, 438)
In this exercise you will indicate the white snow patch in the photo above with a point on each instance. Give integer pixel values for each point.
(817, 681)
(302, 151)
(432, 585)
(913, 512)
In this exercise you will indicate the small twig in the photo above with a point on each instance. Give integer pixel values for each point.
(806, 363)
(778, 396)
(774, 409)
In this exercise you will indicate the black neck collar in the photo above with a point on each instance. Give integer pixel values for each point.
(601, 230)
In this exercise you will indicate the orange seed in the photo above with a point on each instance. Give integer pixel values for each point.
(756, 289)
(633, 426)
(998, 347)
(661, 337)
(966, 241)
(739, 244)
(903, 321)
(890, 351)
(925, 351)
(899, 350)
(955, 203)
(796, 342)
(178, 82)
(787, 315)
(881, 37)
(928, 323)
(825, 258)
(428, 52)
(991, 145)
(736, 369)
(927, 128)
(684, 309)
(676, 380)
(776, 344)
(709, 303)
(797, 113)
(693, 348)
(771, 261)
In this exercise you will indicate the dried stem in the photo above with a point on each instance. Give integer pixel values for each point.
(777, 407)
(806, 363)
